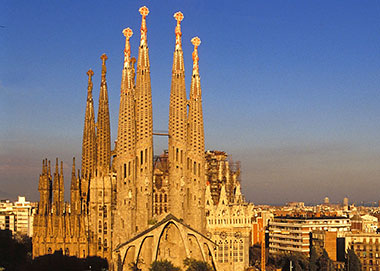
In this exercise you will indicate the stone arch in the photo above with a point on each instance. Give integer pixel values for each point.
(145, 254)
(209, 257)
(129, 257)
(195, 250)
(171, 245)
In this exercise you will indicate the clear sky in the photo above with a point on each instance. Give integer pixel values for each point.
(290, 88)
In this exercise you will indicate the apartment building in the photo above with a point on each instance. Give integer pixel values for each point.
(292, 234)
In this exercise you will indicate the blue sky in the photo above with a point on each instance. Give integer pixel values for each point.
(290, 88)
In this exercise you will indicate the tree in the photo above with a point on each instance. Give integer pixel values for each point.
(324, 262)
(164, 265)
(15, 253)
(313, 260)
(194, 265)
(298, 260)
(352, 261)
(134, 266)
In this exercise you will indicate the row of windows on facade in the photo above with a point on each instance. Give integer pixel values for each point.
(232, 251)
(229, 221)
(158, 210)
(105, 228)
(159, 198)
(67, 252)
(127, 170)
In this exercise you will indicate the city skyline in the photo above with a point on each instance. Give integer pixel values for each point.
(305, 122)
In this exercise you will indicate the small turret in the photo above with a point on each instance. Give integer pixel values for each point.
(44, 187)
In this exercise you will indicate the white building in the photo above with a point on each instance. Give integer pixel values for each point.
(17, 216)
(292, 234)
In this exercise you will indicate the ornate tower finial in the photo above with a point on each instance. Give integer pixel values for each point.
(127, 50)
(196, 42)
(104, 57)
(179, 17)
(144, 11)
(90, 73)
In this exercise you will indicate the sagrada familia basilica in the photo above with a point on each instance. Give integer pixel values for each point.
(130, 206)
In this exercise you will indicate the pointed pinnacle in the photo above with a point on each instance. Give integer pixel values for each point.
(73, 169)
(90, 73)
(44, 171)
(104, 57)
(179, 17)
(56, 165)
(144, 11)
(196, 42)
(127, 50)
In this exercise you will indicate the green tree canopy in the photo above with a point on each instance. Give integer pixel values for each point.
(164, 265)
(313, 260)
(194, 265)
(324, 262)
(352, 261)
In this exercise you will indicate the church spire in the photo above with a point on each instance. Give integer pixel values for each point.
(103, 137)
(195, 147)
(45, 189)
(58, 190)
(89, 138)
(126, 149)
(144, 11)
(144, 130)
(74, 191)
(177, 127)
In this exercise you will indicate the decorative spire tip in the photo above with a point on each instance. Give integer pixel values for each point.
(90, 73)
(196, 42)
(104, 57)
(144, 11)
(127, 32)
(179, 17)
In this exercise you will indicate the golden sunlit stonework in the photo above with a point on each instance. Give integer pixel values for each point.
(127, 206)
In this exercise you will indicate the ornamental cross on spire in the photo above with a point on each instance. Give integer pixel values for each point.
(104, 69)
(144, 11)
(196, 42)
(179, 17)
(127, 50)
(90, 73)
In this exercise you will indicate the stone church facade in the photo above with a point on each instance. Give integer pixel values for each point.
(125, 206)
(129, 206)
